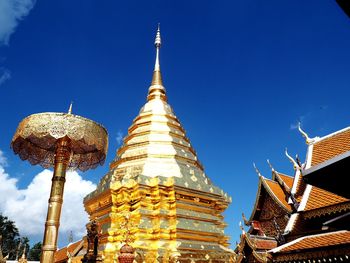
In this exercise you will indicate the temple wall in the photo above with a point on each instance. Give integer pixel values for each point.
(161, 223)
(269, 211)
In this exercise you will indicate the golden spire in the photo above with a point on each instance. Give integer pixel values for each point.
(157, 89)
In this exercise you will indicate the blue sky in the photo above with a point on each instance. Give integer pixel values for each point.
(239, 75)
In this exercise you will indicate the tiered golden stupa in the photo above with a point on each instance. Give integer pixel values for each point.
(156, 184)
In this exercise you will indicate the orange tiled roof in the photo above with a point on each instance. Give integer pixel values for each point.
(287, 179)
(320, 198)
(61, 254)
(316, 242)
(300, 188)
(330, 147)
(277, 191)
(323, 150)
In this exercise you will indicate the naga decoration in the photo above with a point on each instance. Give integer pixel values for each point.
(92, 255)
(305, 135)
(245, 220)
(279, 237)
(295, 164)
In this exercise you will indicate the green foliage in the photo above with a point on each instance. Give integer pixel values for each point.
(35, 252)
(14, 245)
(10, 237)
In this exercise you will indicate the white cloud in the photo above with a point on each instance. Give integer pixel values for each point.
(11, 12)
(3, 159)
(295, 125)
(5, 74)
(119, 137)
(28, 206)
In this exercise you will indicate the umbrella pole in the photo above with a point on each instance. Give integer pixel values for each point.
(62, 158)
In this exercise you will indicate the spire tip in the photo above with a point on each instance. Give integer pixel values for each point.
(158, 40)
(70, 107)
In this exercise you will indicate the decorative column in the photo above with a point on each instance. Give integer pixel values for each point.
(61, 141)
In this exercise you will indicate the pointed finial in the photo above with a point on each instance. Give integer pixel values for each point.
(158, 40)
(297, 159)
(245, 220)
(257, 170)
(271, 167)
(24, 252)
(70, 238)
(295, 165)
(304, 134)
(157, 43)
(241, 227)
(70, 108)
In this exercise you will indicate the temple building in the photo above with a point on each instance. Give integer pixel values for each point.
(293, 221)
(156, 195)
(72, 253)
(269, 217)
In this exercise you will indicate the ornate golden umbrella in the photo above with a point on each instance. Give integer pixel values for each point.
(59, 140)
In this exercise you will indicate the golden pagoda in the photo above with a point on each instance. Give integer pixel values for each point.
(156, 195)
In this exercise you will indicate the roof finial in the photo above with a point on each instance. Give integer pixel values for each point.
(257, 170)
(241, 227)
(24, 252)
(70, 107)
(245, 220)
(70, 238)
(295, 164)
(307, 138)
(271, 167)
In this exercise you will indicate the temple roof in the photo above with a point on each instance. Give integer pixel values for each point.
(275, 191)
(288, 180)
(321, 150)
(319, 241)
(61, 255)
(260, 242)
(259, 245)
(319, 198)
(330, 146)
